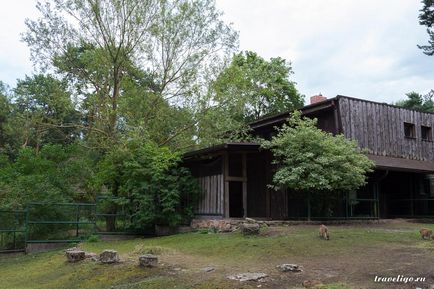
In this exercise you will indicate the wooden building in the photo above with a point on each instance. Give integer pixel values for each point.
(235, 176)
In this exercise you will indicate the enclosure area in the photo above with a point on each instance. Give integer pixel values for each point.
(340, 263)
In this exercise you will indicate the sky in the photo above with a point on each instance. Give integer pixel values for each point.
(365, 49)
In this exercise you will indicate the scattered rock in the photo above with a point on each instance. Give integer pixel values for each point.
(290, 268)
(248, 277)
(75, 255)
(148, 260)
(311, 283)
(109, 256)
(215, 226)
(250, 220)
(208, 269)
(250, 229)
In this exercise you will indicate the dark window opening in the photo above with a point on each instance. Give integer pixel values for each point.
(409, 130)
(426, 133)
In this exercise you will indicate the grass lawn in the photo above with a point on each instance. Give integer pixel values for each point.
(351, 259)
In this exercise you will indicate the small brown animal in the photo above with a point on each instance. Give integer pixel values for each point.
(426, 233)
(324, 232)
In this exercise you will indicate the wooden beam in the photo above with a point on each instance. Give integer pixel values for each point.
(226, 184)
(244, 165)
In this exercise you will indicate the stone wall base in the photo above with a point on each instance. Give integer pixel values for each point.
(228, 225)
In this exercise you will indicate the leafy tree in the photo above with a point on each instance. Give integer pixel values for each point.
(316, 163)
(5, 111)
(53, 174)
(418, 101)
(426, 18)
(45, 112)
(150, 181)
(257, 87)
(99, 44)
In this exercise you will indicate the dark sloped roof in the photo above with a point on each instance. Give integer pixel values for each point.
(234, 146)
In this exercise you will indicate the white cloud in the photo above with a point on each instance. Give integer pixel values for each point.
(365, 49)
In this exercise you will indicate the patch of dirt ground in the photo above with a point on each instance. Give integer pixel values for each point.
(356, 268)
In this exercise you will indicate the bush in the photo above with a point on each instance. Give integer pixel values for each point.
(93, 239)
(150, 182)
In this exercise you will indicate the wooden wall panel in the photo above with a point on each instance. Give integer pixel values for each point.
(212, 199)
(380, 129)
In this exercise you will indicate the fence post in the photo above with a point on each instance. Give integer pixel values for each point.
(26, 228)
(77, 219)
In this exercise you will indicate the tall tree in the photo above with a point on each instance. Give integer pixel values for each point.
(99, 43)
(257, 87)
(426, 18)
(5, 112)
(45, 111)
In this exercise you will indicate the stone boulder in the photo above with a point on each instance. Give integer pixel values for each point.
(290, 268)
(109, 257)
(248, 277)
(75, 255)
(148, 260)
(250, 228)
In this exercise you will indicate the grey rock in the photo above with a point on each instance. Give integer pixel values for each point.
(109, 257)
(208, 269)
(290, 268)
(75, 255)
(248, 277)
(148, 260)
(249, 229)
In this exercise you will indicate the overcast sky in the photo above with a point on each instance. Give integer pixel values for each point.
(365, 49)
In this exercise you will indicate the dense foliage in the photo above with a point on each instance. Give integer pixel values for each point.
(54, 174)
(150, 181)
(312, 161)
(121, 89)
(417, 101)
(257, 87)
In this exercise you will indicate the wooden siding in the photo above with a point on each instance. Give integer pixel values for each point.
(213, 192)
(380, 129)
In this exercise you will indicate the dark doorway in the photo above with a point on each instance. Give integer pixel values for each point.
(236, 209)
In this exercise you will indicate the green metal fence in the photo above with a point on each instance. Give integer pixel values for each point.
(12, 231)
(42, 222)
(59, 222)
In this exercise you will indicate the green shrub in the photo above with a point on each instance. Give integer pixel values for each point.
(93, 239)
(148, 180)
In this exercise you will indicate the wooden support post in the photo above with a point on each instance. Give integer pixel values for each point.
(226, 182)
(244, 167)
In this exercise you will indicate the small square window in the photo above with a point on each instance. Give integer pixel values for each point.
(426, 133)
(409, 130)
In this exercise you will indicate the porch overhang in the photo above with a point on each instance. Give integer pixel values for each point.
(401, 164)
(231, 147)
